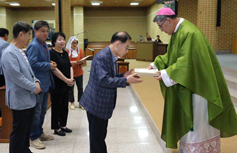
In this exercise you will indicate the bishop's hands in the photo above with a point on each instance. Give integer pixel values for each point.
(149, 67)
(159, 77)
(132, 77)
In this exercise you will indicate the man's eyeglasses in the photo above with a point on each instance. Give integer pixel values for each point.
(162, 23)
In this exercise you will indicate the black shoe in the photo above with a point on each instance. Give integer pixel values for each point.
(60, 133)
(67, 130)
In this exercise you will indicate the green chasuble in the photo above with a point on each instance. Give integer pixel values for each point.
(191, 62)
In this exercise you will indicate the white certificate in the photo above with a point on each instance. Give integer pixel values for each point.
(84, 58)
(146, 72)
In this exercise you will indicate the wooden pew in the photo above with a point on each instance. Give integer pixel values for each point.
(94, 47)
(132, 51)
(6, 127)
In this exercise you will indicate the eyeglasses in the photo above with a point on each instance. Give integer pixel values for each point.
(162, 23)
(125, 45)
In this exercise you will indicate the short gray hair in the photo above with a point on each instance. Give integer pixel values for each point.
(161, 18)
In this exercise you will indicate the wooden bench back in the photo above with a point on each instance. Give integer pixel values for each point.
(97, 46)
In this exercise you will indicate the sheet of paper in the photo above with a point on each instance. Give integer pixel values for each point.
(146, 72)
(85, 58)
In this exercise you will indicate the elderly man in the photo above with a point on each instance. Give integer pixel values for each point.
(99, 97)
(198, 108)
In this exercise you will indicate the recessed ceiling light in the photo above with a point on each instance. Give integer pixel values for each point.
(96, 2)
(13, 3)
(134, 3)
(53, 4)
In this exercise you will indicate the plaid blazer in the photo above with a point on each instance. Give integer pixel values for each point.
(99, 97)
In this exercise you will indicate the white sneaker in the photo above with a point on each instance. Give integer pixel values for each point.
(46, 137)
(37, 144)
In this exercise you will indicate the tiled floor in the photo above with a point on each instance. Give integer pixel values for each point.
(228, 60)
(228, 64)
(128, 130)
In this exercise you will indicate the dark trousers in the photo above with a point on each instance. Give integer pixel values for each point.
(20, 135)
(59, 108)
(79, 83)
(98, 131)
(2, 80)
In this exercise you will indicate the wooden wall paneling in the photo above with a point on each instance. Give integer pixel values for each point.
(97, 46)
(134, 54)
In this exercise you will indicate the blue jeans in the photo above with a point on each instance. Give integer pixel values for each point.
(39, 114)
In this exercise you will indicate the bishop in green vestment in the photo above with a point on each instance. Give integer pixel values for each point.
(193, 69)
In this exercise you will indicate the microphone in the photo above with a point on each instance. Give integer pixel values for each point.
(80, 33)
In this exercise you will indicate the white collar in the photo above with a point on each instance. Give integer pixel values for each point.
(75, 52)
(177, 26)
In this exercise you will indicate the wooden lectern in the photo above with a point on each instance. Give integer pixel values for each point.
(6, 128)
(122, 67)
(148, 50)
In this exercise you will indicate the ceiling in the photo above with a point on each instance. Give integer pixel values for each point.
(84, 3)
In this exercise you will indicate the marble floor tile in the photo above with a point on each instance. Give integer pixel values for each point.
(81, 147)
(227, 60)
(135, 135)
(84, 122)
(144, 147)
(124, 111)
(55, 147)
(134, 122)
(4, 147)
(83, 135)
(111, 135)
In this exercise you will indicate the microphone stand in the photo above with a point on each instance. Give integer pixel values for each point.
(80, 33)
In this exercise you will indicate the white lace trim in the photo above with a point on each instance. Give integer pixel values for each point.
(211, 145)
